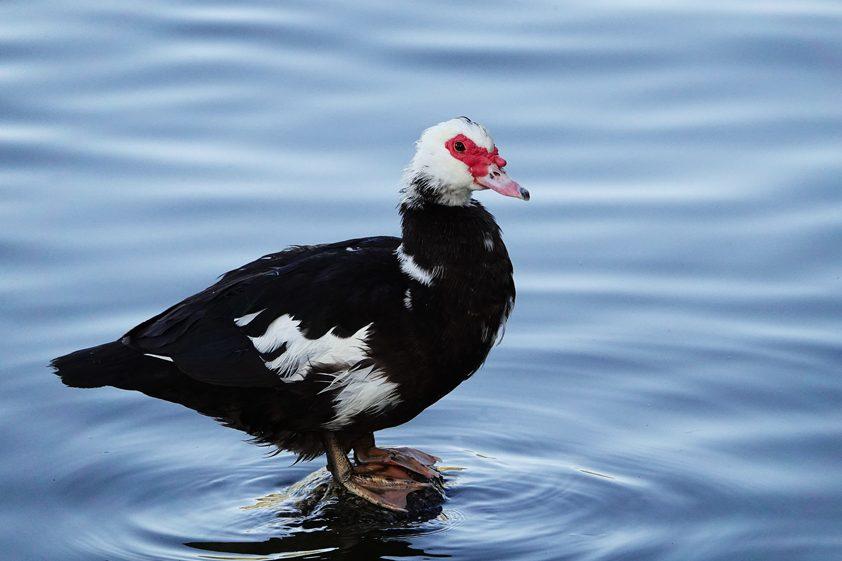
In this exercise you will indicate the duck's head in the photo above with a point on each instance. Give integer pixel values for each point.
(452, 160)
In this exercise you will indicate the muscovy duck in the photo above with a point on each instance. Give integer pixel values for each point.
(315, 348)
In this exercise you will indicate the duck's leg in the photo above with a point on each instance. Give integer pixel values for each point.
(375, 487)
(370, 456)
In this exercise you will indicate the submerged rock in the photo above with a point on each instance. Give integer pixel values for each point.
(321, 493)
(318, 496)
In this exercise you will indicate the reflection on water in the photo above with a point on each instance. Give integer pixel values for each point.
(669, 383)
(313, 520)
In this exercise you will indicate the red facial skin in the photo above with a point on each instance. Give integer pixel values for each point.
(477, 158)
(486, 168)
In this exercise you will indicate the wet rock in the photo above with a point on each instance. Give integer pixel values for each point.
(318, 494)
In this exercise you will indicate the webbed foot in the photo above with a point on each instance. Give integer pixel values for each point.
(385, 491)
(385, 478)
(410, 459)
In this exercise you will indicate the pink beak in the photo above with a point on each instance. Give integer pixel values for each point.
(497, 180)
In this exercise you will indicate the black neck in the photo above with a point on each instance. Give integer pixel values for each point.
(472, 291)
(454, 239)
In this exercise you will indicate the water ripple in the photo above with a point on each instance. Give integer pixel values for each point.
(668, 387)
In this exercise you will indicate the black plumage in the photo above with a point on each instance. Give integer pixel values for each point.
(426, 343)
(315, 348)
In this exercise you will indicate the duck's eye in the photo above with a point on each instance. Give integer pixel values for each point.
(459, 147)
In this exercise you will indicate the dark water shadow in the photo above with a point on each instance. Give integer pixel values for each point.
(323, 545)
(323, 522)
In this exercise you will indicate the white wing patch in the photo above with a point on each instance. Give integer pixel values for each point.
(365, 390)
(162, 357)
(412, 269)
(243, 321)
(301, 351)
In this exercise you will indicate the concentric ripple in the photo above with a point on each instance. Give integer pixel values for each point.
(668, 388)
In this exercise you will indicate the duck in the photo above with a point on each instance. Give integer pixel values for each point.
(315, 348)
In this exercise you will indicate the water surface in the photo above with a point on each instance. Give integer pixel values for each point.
(669, 387)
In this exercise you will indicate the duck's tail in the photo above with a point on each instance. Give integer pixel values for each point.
(111, 364)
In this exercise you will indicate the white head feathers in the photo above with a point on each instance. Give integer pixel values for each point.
(434, 167)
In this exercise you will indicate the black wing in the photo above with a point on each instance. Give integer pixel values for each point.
(340, 287)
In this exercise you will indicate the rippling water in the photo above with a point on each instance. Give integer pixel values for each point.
(669, 387)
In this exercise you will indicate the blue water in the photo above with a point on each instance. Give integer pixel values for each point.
(669, 387)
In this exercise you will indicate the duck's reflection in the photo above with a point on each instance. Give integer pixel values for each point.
(322, 527)
(324, 544)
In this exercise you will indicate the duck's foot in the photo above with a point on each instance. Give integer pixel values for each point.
(410, 459)
(385, 484)
(385, 491)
